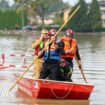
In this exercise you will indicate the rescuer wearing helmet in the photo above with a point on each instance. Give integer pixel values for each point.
(52, 56)
(38, 45)
(52, 32)
(70, 48)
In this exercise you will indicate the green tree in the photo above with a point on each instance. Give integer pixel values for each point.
(42, 8)
(95, 16)
(9, 19)
(78, 22)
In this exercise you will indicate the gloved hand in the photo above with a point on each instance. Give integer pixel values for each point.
(40, 54)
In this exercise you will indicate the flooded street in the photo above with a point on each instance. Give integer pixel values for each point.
(92, 51)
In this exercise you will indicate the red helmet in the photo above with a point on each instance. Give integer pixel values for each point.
(63, 61)
(52, 32)
(69, 32)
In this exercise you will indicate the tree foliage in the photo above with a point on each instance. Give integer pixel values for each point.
(43, 7)
(88, 18)
(95, 16)
(78, 21)
(9, 19)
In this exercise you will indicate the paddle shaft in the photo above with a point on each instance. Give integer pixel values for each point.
(81, 69)
(44, 49)
(67, 20)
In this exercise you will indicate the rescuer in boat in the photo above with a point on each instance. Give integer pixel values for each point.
(38, 45)
(65, 70)
(52, 56)
(69, 45)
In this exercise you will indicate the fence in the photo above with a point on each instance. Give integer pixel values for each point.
(23, 59)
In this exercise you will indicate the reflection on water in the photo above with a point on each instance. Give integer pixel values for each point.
(50, 102)
(22, 99)
(92, 50)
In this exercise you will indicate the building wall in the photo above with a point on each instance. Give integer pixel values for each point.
(102, 10)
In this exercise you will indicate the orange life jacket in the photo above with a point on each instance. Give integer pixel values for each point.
(67, 46)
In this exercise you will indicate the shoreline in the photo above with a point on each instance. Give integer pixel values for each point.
(31, 32)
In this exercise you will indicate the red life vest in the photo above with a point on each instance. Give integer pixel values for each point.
(37, 49)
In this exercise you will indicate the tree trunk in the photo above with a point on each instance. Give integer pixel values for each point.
(43, 24)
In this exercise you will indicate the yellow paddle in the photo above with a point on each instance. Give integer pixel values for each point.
(43, 49)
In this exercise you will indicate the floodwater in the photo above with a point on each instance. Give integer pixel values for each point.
(92, 51)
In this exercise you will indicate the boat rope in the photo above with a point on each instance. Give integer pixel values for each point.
(62, 96)
(85, 88)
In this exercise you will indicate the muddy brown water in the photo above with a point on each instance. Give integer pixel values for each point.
(92, 51)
